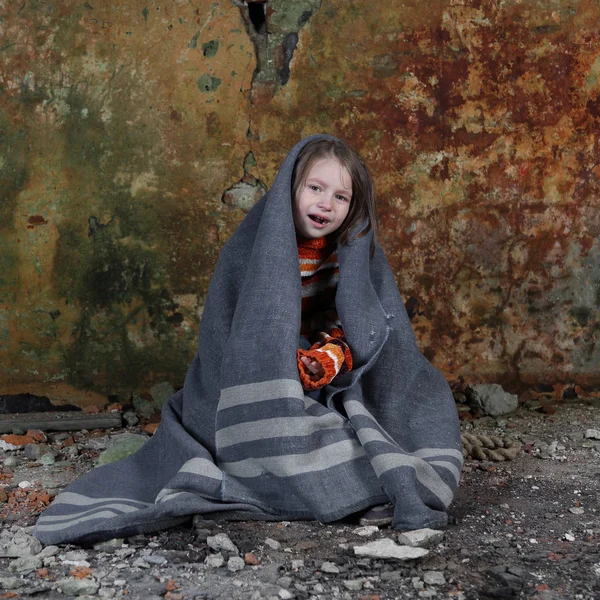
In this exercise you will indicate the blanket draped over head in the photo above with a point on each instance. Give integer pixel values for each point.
(243, 439)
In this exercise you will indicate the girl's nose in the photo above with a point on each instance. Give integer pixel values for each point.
(325, 202)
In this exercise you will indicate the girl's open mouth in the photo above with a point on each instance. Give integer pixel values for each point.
(318, 220)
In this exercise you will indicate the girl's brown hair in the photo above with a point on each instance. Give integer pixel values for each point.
(362, 205)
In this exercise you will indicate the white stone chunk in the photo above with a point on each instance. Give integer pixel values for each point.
(221, 541)
(235, 563)
(26, 564)
(78, 587)
(421, 538)
(11, 583)
(593, 434)
(214, 560)
(434, 578)
(18, 545)
(387, 548)
(367, 530)
(354, 585)
(274, 544)
(329, 567)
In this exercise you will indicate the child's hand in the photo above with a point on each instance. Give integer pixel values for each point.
(314, 369)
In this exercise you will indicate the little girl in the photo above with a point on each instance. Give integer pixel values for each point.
(307, 399)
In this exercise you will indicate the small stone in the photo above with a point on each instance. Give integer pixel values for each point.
(155, 559)
(107, 593)
(140, 563)
(285, 582)
(593, 434)
(297, 564)
(221, 541)
(35, 451)
(143, 407)
(160, 393)
(109, 545)
(421, 538)
(131, 418)
(434, 578)
(11, 461)
(329, 567)
(492, 399)
(25, 484)
(78, 587)
(49, 551)
(18, 545)
(47, 459)
(354, 585)
(417, 583)
(76, 556)
(367, 530)
(26, 564)
(120, 447)
(435, 563)
(392, 576)
(387, 548)
(274, 544)
(285, 594)
(569, 537)
(11, 583)
(214, 560)
(235, 563)
(3, 495)
(576, 510)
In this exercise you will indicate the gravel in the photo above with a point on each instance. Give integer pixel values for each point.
(527, 528)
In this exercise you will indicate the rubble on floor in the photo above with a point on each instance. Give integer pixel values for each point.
(525, 528)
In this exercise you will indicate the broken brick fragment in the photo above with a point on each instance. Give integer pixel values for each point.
(37, 435)
(81, 572)
(17, 440)
(251, 559)
(151, 428)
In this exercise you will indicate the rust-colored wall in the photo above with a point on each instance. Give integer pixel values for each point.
(134, 135)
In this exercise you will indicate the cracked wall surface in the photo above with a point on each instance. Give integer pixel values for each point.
(135, 136)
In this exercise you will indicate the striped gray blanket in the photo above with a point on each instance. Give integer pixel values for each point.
(243, 439)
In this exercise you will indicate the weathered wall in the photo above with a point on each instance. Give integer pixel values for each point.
(134, 133)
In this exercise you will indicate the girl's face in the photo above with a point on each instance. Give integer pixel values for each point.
(322, 202)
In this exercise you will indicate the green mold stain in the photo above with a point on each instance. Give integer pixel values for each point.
(210, 48)
(592, 78)
(145, 12)
(207, 83)
(249, 162)
(194, 41)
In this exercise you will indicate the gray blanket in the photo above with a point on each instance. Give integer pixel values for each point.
(242, 438)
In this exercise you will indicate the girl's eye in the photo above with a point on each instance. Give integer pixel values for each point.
(342, 198)
(314, 188)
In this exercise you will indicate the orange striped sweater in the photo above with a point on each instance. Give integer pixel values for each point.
(320, 323)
